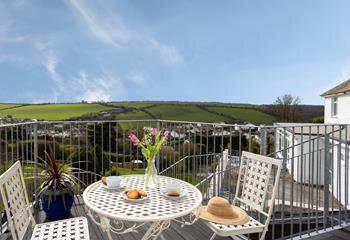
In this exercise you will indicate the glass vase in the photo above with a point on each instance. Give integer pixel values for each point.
(151, 178)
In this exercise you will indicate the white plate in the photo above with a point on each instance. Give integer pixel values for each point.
(125, 197)
(164, 193)
(113, 188)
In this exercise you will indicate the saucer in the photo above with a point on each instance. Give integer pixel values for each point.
(121, 186)
(125, 197)
(164, 193)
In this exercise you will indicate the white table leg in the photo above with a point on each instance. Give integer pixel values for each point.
(156, 230)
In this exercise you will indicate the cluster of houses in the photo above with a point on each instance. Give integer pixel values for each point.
(319, 155)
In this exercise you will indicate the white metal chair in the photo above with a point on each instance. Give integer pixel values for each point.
(19, 215)
(257, 179)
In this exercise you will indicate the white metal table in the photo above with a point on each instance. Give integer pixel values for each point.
(112, 213)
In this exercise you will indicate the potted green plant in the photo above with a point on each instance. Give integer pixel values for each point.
(58, 186)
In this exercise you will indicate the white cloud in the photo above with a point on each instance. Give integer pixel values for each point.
(169, 53)
(49, 61)
(97, 89)
(137, 78)
(109, 28)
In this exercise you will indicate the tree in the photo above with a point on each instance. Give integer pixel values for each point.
(286, 107)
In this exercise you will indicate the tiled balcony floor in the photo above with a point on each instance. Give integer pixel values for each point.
(197, 231)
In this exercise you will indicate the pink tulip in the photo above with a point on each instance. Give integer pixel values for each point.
(155, 131)
(134, 139)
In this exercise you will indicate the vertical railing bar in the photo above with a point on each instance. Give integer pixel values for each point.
(239, 142)
(346, 140)
(36, 160)
(194, 153)
(318, 171)
(6, 147)
(117, 145)
(62, 134)
(17, 143)
(1, 162)
(102, 149)
(45, 140)
(123, 142)
(109, 147)
(250, 140)
(301, 180)
(214, 151)
(222, 174)
(309, 184)
(95, 151)
(157, 156)
(70, 140)
(230, 148)
(339, 163)
(201, 150)
(189, 159)
(137, 147)
(332, 170)
(12, 152)
(130, 149)
(78, 129)
(292, 182)
(326, 181)
(87, 160)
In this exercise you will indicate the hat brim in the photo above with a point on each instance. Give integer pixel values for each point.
(242, 218)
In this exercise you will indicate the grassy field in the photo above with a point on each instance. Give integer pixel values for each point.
(211, 112)
(246, 115)
(134, 104)
(184, 113)
(52, 111)
(5, 106)
(172, 112)
(139, 115)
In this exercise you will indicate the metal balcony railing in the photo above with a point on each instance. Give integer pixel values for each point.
(313, 196)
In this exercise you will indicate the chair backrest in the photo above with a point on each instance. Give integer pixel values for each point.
(258, 176)
(15, 200)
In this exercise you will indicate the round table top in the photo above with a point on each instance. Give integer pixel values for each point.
(110, 203)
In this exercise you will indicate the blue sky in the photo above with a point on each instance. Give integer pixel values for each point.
(226, 51)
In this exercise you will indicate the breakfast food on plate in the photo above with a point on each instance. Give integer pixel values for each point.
(104, 180)
(132, 194)
(142, 193)
(173, 194)
(135, 193)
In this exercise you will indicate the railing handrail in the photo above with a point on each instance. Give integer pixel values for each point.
(215, 124)
(187, 156)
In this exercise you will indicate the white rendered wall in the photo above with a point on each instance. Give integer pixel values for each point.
(338, 182)
(343, 116)
(306, 162)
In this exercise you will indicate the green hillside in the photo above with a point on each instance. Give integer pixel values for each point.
(133, 104)
(246, 115)
(53, 111)
(202, 113)
(184, 113)
(197, 112)
(6, 106)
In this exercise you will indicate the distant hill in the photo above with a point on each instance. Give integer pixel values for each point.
(167, 110)
(305, 113)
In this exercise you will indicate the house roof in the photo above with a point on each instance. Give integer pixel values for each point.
(341, 88)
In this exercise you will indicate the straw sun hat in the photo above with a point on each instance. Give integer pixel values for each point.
(219, 210)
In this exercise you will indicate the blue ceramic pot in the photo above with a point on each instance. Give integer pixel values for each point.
(60, 205)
